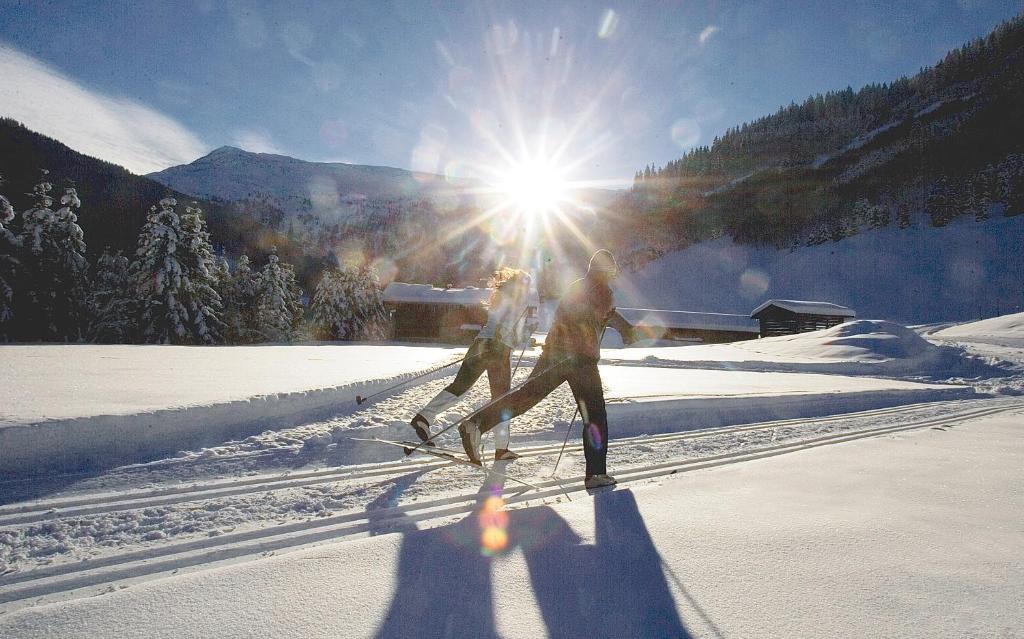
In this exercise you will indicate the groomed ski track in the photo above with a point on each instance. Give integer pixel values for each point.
(42, 510)
(95, 576)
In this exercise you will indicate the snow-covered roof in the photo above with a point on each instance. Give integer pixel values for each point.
(401, 292)
(688, 319)
(808, 308)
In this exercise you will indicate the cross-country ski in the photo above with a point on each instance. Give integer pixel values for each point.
(453, 456)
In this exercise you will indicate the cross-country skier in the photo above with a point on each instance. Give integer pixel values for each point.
(571, 351)
(490, 352)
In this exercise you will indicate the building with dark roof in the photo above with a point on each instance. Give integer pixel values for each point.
(424, 313)
(684, 327)
(788, 317)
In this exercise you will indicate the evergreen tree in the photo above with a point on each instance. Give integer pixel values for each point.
(280, 301)
(203, 302)
(54, 303)
(9, 246)
(347, 305)
(74, 309)
(37, 221)
(221, 277)
(939, 203)
(177, 303)
(241, 300)
(1013, 177)
(113, 300)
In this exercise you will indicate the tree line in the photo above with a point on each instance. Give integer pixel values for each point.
(173, 290)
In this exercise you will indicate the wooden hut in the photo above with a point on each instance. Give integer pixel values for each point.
(787, 317)
(420, 312)
(682, 327)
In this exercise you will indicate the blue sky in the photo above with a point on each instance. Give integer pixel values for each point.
(600, 88)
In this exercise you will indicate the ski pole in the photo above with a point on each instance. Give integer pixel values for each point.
(521, 353)
(567, 431)
(360, 399)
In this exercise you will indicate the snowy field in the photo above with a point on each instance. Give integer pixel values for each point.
(964, 270)
(716, 448)
(106, 406)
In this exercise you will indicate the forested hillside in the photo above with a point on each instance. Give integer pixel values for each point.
(116, 202)
(948, 141)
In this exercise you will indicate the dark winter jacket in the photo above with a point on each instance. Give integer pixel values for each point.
(580, 318)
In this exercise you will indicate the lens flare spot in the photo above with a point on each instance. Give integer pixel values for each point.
(753, 283)
(594, 435)
(386, 270)
(493, 522)
(685, 133)
(493, 540)
(609, 22)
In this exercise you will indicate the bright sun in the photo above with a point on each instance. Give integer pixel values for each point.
(533, 188)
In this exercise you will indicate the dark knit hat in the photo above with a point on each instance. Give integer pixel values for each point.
(603, 261)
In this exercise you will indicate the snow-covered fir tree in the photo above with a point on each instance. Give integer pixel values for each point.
(347, 305)
(202, 300)
(279, 309)
(173, 278)
(75, 309)
(221, 276)
(38, 219)
(113, 300)
(241, 299)
(9, 246)
(52, 301)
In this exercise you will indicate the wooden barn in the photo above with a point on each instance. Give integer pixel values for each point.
(787, 317)
(420, 312)
(683, 327)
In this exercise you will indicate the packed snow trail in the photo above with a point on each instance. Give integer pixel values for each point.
(29, 512)
(64, 579)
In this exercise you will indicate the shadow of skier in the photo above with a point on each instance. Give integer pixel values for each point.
(444, 580)
(613, 588)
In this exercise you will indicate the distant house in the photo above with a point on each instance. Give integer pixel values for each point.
(684, 327)
(787, 317)
(420, 312)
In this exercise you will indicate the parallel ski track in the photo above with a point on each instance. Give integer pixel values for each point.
(37, 511)
(80, 579)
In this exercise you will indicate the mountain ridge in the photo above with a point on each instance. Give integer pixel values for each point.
(299, 186)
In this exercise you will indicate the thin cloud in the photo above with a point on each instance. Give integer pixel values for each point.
(114, 129)
(706, 34)
(256, 141)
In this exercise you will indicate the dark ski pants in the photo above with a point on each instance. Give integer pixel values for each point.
(553, 368)
(484, 355)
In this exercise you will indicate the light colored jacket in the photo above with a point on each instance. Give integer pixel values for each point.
(505, 322)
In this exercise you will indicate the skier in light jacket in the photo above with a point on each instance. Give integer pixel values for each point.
(490, 351)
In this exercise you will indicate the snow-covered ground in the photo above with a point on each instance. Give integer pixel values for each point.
(78, 405)
(187, 533)
(961, 271)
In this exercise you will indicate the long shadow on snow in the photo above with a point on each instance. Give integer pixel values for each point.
(614, 588)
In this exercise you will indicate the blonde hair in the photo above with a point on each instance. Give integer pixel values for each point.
(503, 278)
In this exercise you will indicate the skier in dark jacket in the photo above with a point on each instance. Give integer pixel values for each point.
(490, 352)
(571, 352)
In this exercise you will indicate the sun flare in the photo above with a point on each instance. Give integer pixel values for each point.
(533, 188)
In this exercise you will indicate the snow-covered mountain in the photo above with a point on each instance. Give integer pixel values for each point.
(296, 186)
